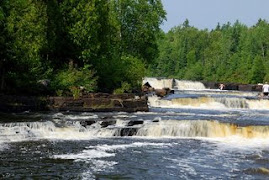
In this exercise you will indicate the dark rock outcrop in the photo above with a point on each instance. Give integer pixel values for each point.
(163, 92)
(87, 123)
(94, 102)
(108, 123)
(132, 123)
(99, 102)
(128, 131)
(9, 103)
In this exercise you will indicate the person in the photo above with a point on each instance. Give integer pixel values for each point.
(265, 89)
(221, 86)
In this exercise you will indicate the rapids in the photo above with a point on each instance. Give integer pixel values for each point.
(195, 133)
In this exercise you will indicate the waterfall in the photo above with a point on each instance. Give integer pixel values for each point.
(211, 129)
(207, 102)
(188, 85)
(72, 130)
(49, 130)
(159, 83)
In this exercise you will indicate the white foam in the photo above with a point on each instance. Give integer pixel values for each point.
(85, 155)
(103, 151)
(220, 103)
(98, 165)
(121, 123)
(121, 116)
(13, 132)
(125, 146)
(236, 143)
(79, 117)
(189, 85)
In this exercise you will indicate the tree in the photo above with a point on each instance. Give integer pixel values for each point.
(257, 71)
(231, 53)
(26, 30)
(139, 27)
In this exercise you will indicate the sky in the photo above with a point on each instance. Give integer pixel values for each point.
(207, 13)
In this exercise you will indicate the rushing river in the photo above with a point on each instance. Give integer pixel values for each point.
(194, 134)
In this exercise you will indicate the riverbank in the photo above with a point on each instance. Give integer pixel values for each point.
(94, 102)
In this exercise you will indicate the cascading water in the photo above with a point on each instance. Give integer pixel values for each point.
(188, 85)
(159, 83)
(169, 128)
(192, 134)
(211, 129)
(209, 102)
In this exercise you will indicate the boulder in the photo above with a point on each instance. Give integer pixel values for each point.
(163, 92)
(128, 131)
(87, 123)
(132, 123)
(108, 123)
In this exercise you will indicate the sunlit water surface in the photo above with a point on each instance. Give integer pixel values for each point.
(165, 143)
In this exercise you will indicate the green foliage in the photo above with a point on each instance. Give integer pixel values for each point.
(134, 70)
(75, 78)
(117, 38)
(139, 23)
(258, 71)
(76, 91)
(125, 88)
(59, 92)
(231, 53)
(24, 34)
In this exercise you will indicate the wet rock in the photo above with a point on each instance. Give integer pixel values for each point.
(87, 123)
(132, 123)
(230, 86)
(108, 123)
(160, 92)
(106, 117)
(95, 102)
(128, 131)
(163, 92)
(134, 103)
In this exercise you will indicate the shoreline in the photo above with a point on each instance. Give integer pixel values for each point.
(93, 102)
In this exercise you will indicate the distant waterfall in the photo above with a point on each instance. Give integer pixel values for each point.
(208, 102)
(159, 83)
(188, 85)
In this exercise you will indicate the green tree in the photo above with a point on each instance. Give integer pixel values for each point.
(231, 53)
(26, 29)
(258, 70)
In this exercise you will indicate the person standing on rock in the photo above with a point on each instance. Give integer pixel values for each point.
(265, 89)
(221, 86)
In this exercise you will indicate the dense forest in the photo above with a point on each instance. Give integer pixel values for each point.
(228, 53)
(108, 45)
(69, 45)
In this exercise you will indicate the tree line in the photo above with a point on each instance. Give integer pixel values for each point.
(228, 53)
(110, 45)
(100, 45)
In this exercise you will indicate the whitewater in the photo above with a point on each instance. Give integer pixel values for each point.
(195, 133)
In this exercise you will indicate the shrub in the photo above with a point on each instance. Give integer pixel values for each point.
(74, 80)
(125, 88)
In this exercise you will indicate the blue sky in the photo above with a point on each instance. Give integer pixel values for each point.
(207, 13)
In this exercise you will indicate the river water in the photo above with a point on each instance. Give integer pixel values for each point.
(193, 134)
